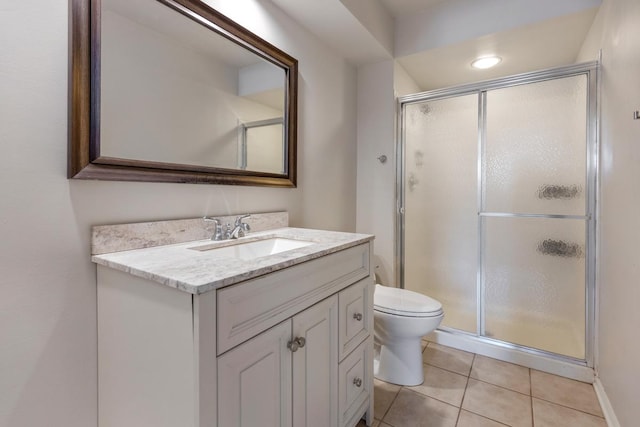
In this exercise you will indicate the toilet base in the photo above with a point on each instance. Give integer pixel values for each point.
(399, 363)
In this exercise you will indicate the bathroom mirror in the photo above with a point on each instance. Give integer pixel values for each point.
(174, 91)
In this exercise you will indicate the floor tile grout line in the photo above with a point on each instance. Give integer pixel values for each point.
(560, 404)
(485, 417)
(431, 397)
(459, 408)
(465, 391)
(533, 417)
(448, 370)
(504, 362)
(480, 415)
(390, 405)
(444, 369)
(504, 388)
(435, 398)
(567, 407)
(499, 386)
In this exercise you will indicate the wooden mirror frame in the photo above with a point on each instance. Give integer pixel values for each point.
(84, 160)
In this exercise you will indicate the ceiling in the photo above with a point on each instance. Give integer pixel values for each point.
(547, 44)
(528, 35)
(333, 23)
(399, 8)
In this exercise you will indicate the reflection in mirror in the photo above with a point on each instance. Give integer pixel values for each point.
(172, 95)
(174, 91)
(262, 146)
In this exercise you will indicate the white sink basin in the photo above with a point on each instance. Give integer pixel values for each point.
(255, 249)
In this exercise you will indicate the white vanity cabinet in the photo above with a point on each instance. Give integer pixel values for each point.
(292, 348)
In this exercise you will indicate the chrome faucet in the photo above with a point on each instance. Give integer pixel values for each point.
(240, 229)
(217, 235)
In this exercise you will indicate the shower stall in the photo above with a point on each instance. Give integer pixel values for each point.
(496, 210)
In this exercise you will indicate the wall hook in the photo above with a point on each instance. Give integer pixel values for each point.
(382, 159)
(636, 115)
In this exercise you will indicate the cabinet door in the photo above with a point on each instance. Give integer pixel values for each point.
(254, 381)
(315, 366)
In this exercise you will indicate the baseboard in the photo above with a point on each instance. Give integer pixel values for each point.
(605, 404)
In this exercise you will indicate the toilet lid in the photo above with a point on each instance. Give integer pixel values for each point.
(404, 302)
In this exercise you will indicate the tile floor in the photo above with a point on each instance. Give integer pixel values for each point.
(467, 390)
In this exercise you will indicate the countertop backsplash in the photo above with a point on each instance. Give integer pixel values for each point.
(124, 237)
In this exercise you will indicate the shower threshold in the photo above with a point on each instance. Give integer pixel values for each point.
(531, 358)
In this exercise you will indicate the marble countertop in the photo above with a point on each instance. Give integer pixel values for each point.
(197, 271)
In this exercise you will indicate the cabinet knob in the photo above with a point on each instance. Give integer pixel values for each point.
(296, 343)
(357, 382)
(357, 316)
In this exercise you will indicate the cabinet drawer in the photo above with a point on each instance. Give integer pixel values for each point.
(356, 311)
(355, 382)
(248, 308)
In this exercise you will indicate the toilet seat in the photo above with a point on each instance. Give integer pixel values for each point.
(403, 302)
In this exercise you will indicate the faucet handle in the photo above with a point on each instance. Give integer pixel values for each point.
(240, 218)
(218, 233)
(211, 219)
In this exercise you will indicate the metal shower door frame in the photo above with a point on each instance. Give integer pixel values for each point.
(590, 69)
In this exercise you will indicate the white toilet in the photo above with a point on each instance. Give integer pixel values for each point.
(401, 319)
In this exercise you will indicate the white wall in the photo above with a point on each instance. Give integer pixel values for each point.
(404, 83)
(378, 86)
(47, 283)
(376, 181)
(617, 33)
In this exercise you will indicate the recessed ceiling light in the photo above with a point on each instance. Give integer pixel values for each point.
(486, 62)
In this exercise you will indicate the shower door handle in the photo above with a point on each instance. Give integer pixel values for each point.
(560, 248)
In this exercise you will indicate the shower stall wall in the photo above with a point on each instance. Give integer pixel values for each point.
(496, 208)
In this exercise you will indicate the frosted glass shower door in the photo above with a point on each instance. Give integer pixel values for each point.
(440, 199)
(534, 215)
